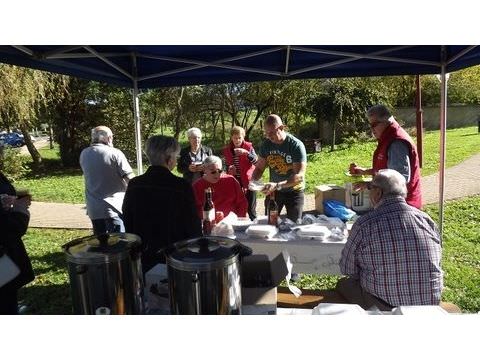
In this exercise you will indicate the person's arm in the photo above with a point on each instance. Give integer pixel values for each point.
(252, 156)
(128, 177)
(357, 170)
(399, 159)
(297, 177)
(260, 166)
(192, 225)
(348, 261)
(241, 203)
(183, 162)
(198, 194)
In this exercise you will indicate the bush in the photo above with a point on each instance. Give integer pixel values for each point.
(11, 163)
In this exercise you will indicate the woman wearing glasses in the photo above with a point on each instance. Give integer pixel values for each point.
(227, 193)
(395, 150)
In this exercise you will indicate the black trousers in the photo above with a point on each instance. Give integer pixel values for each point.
(8, 301)
(293, 202)
(252, 204)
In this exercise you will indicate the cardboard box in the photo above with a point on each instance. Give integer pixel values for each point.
(358, 201)
(260, 278)
(328, 192)
(156, 290)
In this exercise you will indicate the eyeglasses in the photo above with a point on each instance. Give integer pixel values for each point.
(218, 171)
(271, 132)
(370, 186)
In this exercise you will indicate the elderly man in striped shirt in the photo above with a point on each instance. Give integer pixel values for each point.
(392, 256)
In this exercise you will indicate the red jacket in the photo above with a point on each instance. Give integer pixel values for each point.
(227, 195)
(246, 166)
(380, 159)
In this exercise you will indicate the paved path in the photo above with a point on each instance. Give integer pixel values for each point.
(460, 180)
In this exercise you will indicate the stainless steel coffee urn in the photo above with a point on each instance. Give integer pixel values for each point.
(204, 276)
(105, 274)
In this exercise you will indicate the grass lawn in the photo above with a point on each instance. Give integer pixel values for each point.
(49, 293)
(67, 186)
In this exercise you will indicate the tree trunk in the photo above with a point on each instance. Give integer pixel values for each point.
(178, 113)
(50, 135)
(36, 157)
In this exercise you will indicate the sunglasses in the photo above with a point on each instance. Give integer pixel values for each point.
(370, 186)
(218, 171)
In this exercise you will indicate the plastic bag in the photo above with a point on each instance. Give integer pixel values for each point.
(337, 209)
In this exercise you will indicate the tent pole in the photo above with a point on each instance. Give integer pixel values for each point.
(138, 138)
(443, 135)
(136, 116)
(418, 103)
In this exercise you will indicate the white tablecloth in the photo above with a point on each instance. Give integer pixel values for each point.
(307, 256)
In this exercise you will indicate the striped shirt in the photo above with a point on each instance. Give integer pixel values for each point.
(395, 251)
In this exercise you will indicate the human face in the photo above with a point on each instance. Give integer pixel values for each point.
(377, 127)
(375, 194)
(274, 133)
(195, 142)
(237, 140)
(212, 173)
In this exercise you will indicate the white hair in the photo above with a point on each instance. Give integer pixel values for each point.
(101, 134)
(212, 159)
(194, 132)
(391, 182)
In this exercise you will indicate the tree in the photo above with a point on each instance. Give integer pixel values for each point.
(23, 92)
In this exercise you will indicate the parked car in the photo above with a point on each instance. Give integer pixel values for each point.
(13, 139)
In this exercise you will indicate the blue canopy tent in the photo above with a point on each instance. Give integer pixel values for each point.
(152, 66)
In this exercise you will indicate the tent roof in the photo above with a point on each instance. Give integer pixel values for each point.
(176, 65)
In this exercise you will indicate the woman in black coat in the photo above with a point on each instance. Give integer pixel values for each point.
(14, 218)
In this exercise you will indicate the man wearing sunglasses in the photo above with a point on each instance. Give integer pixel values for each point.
(286, 158)
(227, 195)
(392, 255)
(395, 150)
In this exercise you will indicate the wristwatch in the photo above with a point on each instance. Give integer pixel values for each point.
(278, 187)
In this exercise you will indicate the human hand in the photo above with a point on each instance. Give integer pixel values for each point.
(232, 170)
(359, 186)
(356, 170)
(7, 201)
(240, 151)
(269, 187)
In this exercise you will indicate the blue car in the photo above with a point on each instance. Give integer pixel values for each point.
(13, 139)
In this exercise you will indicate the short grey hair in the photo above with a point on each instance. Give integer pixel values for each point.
(380, 112)
(391, 182)
(160, 149)
(194, 132)
(100, 134)
(212, 159)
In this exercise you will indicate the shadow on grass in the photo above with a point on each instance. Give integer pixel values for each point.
(51, 168)
(472, 134)
(46, 299)
(55, 261)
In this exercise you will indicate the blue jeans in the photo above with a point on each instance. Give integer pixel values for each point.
(108, 225)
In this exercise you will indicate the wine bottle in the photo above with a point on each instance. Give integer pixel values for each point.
(272, 210)
(208, 213)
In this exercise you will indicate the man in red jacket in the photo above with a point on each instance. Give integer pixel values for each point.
(395, 150)
(240, 158)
